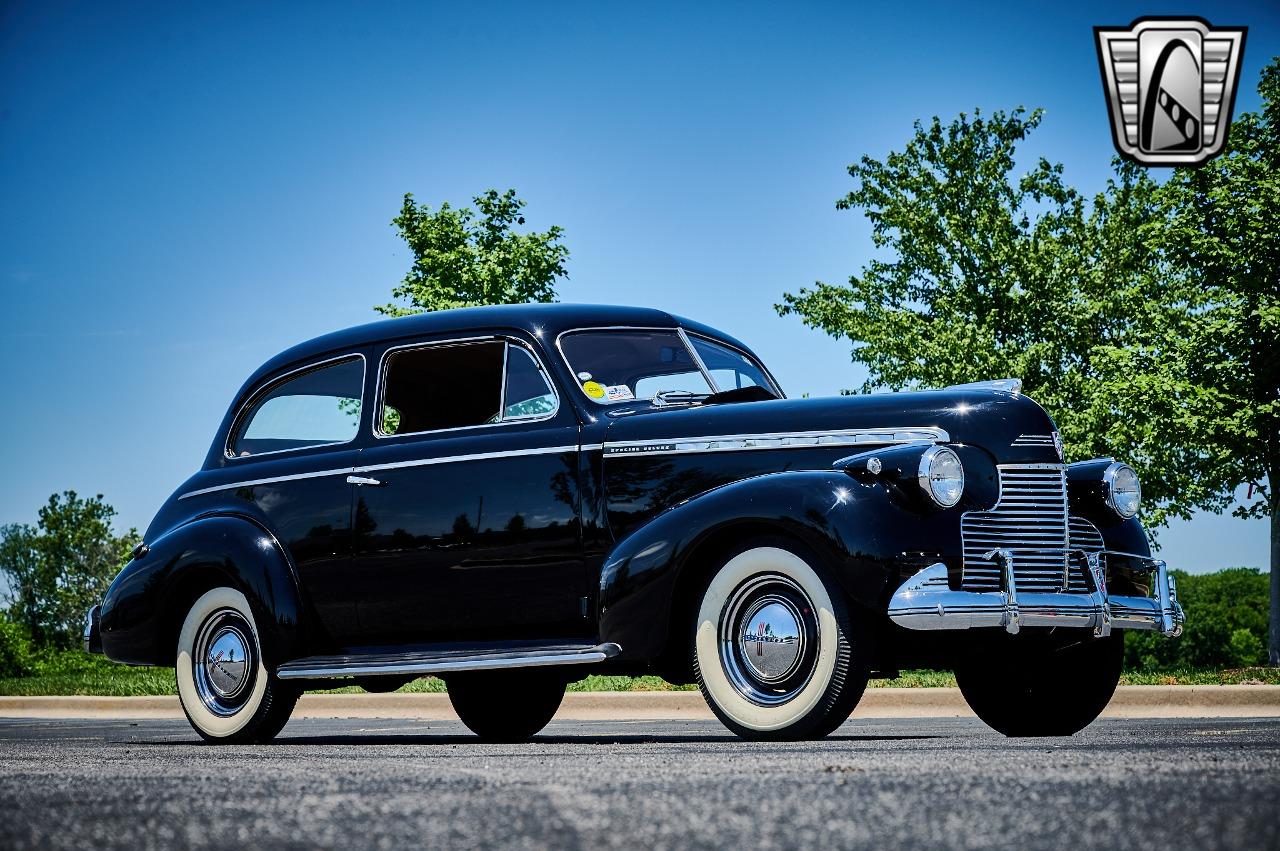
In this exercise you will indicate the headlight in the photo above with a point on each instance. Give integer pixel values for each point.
(1123, 491)
(942, 476)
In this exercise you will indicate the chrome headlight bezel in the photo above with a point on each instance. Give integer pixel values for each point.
(1124, 501)
(932, 458)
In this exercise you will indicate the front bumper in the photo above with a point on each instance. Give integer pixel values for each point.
(93, 630)
(926, 602)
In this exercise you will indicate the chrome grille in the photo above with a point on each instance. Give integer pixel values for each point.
(1030, 521)
(1083, 536)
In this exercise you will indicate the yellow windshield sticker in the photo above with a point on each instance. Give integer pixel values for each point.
(594, 389)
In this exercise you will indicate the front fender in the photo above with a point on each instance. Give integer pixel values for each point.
(145, 605)
(867, 540)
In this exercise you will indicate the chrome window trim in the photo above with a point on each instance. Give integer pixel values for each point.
(261, 389)
(697, 360)
(777, 388)
(679, 332)
(776, 440)
(394, 465)
(507, 339)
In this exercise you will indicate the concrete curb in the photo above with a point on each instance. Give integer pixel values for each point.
(1129, 702)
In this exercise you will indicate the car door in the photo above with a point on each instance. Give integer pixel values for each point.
(466, 522)
(291, 449)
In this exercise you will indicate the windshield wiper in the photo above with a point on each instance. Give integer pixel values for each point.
(664, 398)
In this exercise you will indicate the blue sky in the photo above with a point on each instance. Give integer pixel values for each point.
(186, 191)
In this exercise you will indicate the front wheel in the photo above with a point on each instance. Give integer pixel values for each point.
(775, 651)
(1030, 688)
(506, 706)
(223, 683)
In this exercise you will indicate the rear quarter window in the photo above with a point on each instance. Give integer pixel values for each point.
(317, 407)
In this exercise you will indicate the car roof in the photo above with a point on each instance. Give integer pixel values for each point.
(541, 320)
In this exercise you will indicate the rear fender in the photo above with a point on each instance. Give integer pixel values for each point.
(146, 604)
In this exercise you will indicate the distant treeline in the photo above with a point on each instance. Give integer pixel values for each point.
(1226, 625)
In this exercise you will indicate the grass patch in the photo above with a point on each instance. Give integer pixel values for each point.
(123, 682)
(918, 679)
(1230, 677)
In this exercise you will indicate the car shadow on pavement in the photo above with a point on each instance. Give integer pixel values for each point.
(400, 739)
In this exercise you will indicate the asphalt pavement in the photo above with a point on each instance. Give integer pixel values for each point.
(877, 783)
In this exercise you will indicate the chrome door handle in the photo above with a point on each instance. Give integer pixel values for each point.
(363, 480)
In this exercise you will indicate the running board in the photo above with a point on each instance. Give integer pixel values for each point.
(422, 662)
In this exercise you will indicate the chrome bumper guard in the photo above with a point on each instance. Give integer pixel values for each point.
(925, 601)
(93, 630)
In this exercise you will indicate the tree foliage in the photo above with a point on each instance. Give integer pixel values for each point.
(61, 566)
(1145, 319)
(1197, 387)
(988, 275)
(1226, 625)
(465, 257)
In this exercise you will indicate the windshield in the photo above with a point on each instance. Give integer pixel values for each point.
(619, 365)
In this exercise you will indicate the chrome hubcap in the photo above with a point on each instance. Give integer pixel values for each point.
(224, 662)
(769, 642)
(768, 639)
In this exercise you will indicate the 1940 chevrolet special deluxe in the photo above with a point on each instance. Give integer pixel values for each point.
(512, 497)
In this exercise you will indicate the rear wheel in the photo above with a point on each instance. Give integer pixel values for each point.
(1035, 688)
(776, 653)
(506, 706)
(224, 686)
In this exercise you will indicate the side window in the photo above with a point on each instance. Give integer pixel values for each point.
(440, 387)
(318, 407)
(528, 392)
(457, 385)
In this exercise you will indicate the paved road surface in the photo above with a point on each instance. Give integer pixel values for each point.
(1163, 784)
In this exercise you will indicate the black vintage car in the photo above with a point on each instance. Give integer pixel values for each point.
(512, 497)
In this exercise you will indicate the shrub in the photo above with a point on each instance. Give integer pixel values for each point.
(1227, 617)
(15, 650)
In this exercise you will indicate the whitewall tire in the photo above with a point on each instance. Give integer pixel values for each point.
(774, 650)
(224, 685)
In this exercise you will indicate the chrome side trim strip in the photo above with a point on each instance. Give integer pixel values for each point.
(351, 471)
(778, 440)
(300, 670)
(730, 443)
(248, 483)
(477, 456)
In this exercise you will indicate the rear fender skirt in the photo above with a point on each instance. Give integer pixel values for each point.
(855, 526)
(146, 599)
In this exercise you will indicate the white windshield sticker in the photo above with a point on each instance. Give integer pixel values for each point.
(618, 393)
(584, 376)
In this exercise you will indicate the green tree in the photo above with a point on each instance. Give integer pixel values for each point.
(465, 257)
(990, 275)
(1226, 625)
(1145, 318)
(61, 566)
(1197, 388)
